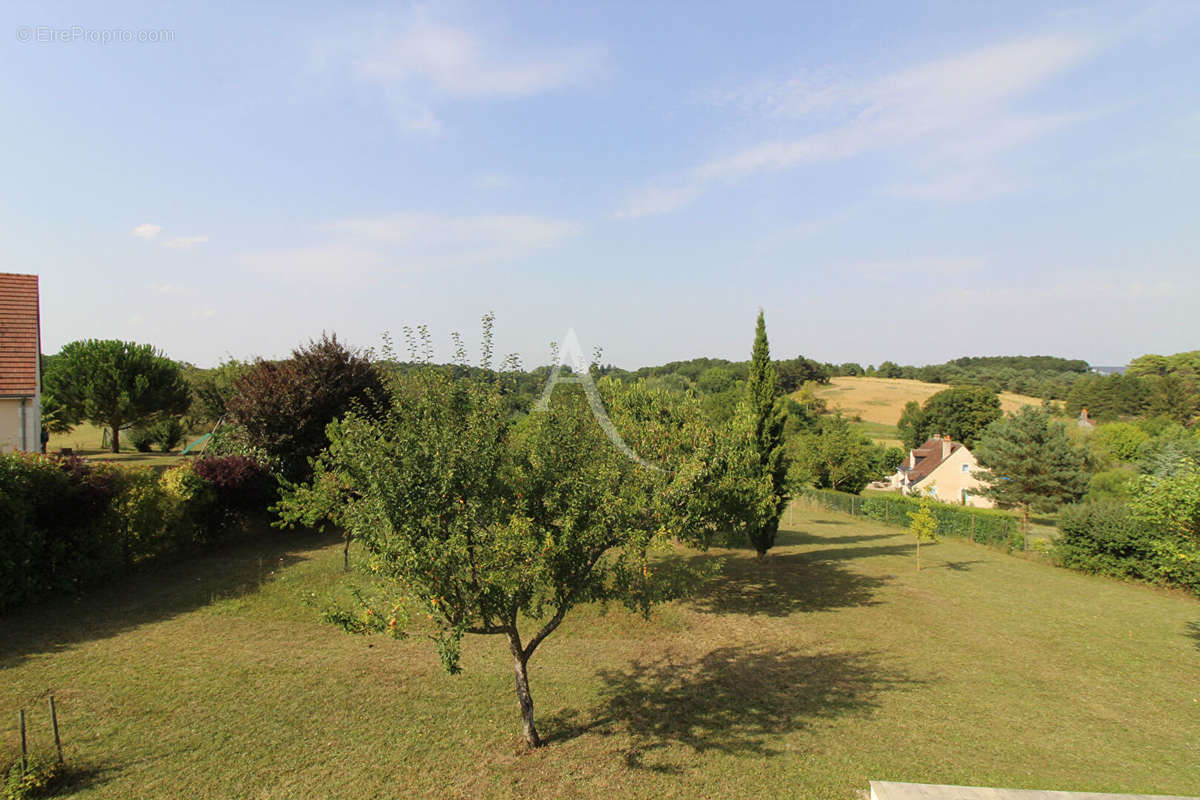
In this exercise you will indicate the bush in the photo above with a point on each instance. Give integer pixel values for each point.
(142, 439)
(1111, 484)
(35, 779)
(65, 523)
(283, 407)
(168, 434)
(1106, 538)
(238, 487)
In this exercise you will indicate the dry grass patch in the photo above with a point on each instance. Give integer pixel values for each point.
(881, 400)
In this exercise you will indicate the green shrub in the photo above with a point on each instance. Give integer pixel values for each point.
(142, 439)
(1106, 538)
(168, 434)
(1111, 484)
(65, 523)
(35, 779)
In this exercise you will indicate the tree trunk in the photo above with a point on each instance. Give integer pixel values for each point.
(524, 699)
(116, 438)
(918, 555)
(346, 552)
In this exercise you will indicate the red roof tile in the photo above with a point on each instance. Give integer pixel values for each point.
(928, 458)
(20, 343)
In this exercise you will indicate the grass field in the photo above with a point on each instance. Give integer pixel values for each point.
(831, 664)
(881, 400)
(85, 440)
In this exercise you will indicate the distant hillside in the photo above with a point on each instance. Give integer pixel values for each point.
(882, 399)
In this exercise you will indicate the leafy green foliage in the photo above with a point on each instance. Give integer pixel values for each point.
(1109, 538)
(912, 426)
(961, 413)
(117, 384)
(65, 523)
(1170, 503)
(836, 456)
(1110, 484)
(282, 407)
(1118, 441)
(212, 390)
(36, 778)
(1030, 461)
(481, 522)
(142, 439)
(923, 526)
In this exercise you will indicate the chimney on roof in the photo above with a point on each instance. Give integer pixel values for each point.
(946, 447)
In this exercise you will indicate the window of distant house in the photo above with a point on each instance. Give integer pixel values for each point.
(966, 467)
(933, 491)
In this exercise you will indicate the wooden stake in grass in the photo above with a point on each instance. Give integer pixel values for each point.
(923, 525)
(54, 724)
(24, 748)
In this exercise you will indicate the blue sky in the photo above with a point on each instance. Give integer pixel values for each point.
(887, 181)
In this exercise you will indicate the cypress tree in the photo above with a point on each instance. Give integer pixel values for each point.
(769, 415)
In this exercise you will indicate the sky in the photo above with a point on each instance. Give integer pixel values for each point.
(913, 182)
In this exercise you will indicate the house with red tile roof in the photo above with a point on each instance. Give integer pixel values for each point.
(944, 470)
(20, 364)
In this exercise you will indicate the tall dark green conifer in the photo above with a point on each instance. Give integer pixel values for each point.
(769, 415)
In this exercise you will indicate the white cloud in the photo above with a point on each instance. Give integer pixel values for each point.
(494, 180)
(417, 63)
(184, 242)
(146, 231)
(425, 241)
(953, 110)
(204, 313)
(909, 268)
(459, 64)
(333, 263)
(413, 242)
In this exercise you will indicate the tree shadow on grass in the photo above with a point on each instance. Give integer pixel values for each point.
(785, 584)
(152, 593)
(1194, 632)
(731, 700)
(957, 566)
(803, 537)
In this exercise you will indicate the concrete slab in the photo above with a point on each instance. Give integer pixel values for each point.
(890, 790)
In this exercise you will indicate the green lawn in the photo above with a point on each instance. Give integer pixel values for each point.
(831, 664)
(886, 435)
(85, 440)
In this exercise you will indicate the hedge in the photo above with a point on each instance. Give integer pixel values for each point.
(993, 528)
(1103, 537)
(66, 523)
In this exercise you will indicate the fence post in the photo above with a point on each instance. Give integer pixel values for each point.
(54, 723)
(972, 527)
(24, 748)
(887, 510)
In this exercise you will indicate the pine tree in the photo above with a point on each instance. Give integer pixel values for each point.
(1030, 462)
(769, 415)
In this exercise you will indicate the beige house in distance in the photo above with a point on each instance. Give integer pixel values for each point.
(20, 364)
(944, 470)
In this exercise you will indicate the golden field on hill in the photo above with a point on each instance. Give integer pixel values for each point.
(882, 400)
